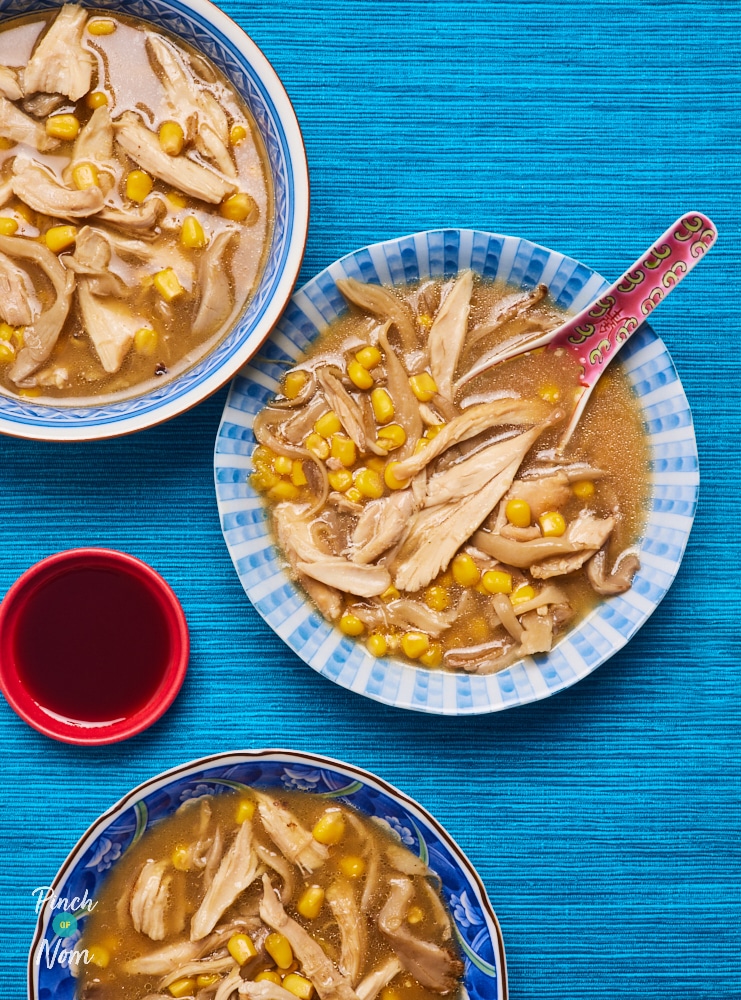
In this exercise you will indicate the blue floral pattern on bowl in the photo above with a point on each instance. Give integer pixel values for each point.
(673, 464)
(85, 870)
(208, 29)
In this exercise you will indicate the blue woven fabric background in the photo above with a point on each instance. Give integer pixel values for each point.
(604, 821)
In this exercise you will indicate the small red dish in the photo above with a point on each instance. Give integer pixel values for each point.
(93, 646)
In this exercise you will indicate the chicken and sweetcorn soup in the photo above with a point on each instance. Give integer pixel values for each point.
(135, 206)
(268, 897)
(418, 491)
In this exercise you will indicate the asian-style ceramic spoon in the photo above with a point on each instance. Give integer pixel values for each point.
(596, 334)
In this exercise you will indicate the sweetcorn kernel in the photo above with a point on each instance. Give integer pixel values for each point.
(99, 955)
(433, 657)
(343, 449)
(66, 127)
(245, 810)
(432, 432)
(138, 185)
(465, 571)
(415, 915)
(340, 480)
(377, 644)
(237, 134)
(383, 406)
(283, 491)
(391, 479)
(268, 976)
(552, 524)
(145, 341)
(437, 598)
(390, 594)
(423, 386)
(497, 581)
(415, 644)
(351, 625)
(549, 392)
(96, 99)
(359, 375)
(523, 593)
(238, 208)
(241, 948)
(182, 987)
(369, 483)
(8, 227)
(328, 424)
(207, 979)
(368, 357)
(518, 513)
(59, 238)
(421, 445)
(167, 284)
(354, 495)
(329, 829)
(310, 902)
(172, 138)
(85, 175)
(192, 235)
(180, 858)
(6, 331)
(298, 476)
(391, 436)
(283, 465)
(6, 143)
(299, 986)
(376, 463)
(101, 26)
(583, 489)
(352, 865)
(176, 199)
(293, 383)
(317, 445)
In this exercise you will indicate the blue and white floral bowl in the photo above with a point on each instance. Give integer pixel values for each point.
(673, 464)
(81, 876)
(204, 26)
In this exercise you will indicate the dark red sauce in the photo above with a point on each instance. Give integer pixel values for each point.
(92, 645)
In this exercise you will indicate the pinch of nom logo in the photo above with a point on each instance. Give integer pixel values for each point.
(67, 912)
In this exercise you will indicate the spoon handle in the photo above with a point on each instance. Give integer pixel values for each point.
(598, 332)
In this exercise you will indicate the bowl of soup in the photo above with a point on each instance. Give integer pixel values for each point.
(153, 212)
(264, 874)
(397, 506)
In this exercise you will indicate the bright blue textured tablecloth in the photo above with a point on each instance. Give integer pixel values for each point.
(604, 821)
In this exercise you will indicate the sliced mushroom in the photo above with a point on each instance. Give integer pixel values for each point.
(372, 984)
(619, 580)
(109, 323)
(41, 191)
(353, 932)
(141, 221)
(150, 899)
(448, 333)
(586, 532)
(383, 303)
(19, 305)
(289, 836)
(215, 287)
(238, 870)
(60, 63)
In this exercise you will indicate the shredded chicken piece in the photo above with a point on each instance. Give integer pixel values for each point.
(160, 962)
(19, 305)
(369, 987)
(17, 127)
(215, 289)
(328, 981)
(94, 145)
(42, 192)
(406, 406)
(548, 493)
(508, 312)
(327, 599)
(350, 414)
(204, 968)
(264, 990)
(141, 220)
(619, 580)
(289, 836)
(380, 525)
(405, 862)
(281, 866)
(60, 63)
(383, 303)
(229, 986)
(238, 869)
(9, 85)
(185, 174)
(351, 922)
(92, 259)
(150, 899)
(110, 324)
(448, 333)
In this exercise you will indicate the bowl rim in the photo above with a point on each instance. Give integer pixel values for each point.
(526, 682)
(368, 778)
(297, 226)
(86, 734)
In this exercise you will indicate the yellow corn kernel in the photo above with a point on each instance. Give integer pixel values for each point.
(328, 424)
(329, 829)
(63, 127)
(518, 513)
(359, 375)
(369, 483)
(377, 644)
(433, 657)
(352, 865)
(317, 445)
(298, 476)
(172, 138)
(264, 480)
(351, 625)
(523, 593)
(268, 976)
(19, 337)
(245, 810)
(293, 383)
(59, 238)
(465, 571)
(420, 445)
(30, 393)
(354, 495)
(241, 948)
(497, 581)
(414, 644)
(262, 456)
(415, 915)
(238, 208)
(340, 480)
(432, 432)
(6, 331)
(391, 436)
(549, 392)
(389, 993)
(283, 491)
(138, 185)
(310, 902)
(391, 479)
(207, 979)
(26, 213)
(283, 465)
(182, 987)
(383, 406)
(192, 236)
(145, 341)
(583, 489)
(390, 594)
(237, 134)
(552, 524)
(6, 352)
(101, 26)
(279, 949)
(368, 357)
(167, 284)
(180, 858)
(8, 227)
(425, 320)
(300, 987)
(85, 175)
(423, 386)
(6, 143)
(176, 199)
(376, 463)
(96, 99)
(437, 598)
(99, 955)
(344, 449)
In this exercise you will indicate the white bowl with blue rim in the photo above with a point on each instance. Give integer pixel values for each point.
(205, 27)
(83, 874)
(674, 481)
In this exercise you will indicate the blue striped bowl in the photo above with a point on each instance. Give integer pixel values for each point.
(205, 27)
(674, 481)
(83, 874)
